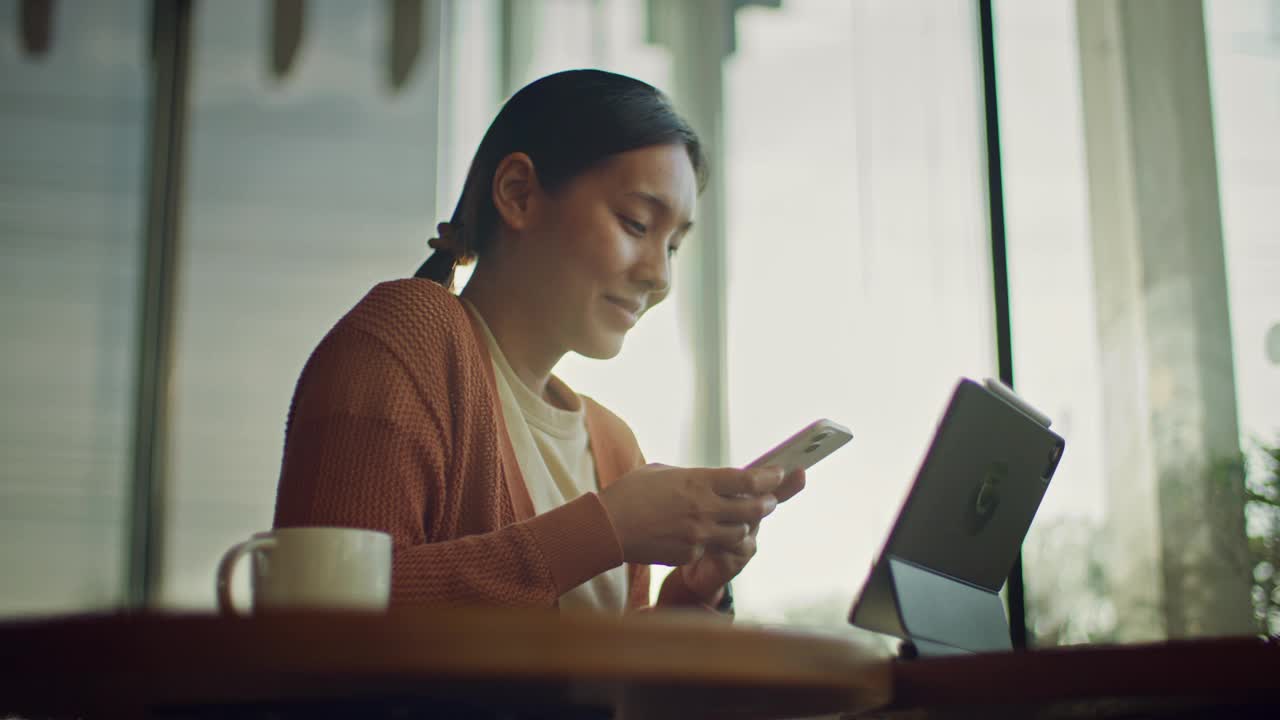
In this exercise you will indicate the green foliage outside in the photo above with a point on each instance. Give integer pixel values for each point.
(1262, 525)
(1069, 597)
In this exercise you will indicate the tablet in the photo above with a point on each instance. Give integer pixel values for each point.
(973, 500)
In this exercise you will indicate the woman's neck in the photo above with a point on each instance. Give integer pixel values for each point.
(516, 328)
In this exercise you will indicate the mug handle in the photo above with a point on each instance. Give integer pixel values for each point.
(228, 564)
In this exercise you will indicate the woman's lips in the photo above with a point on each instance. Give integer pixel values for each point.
(627, 310)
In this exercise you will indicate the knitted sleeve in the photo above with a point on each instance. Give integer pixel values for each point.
(364, 449)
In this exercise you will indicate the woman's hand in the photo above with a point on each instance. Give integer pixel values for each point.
(707, 575)
(671, 516)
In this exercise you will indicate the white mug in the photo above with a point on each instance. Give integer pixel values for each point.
(331, 568)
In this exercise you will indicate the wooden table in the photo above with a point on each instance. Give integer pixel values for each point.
(505, 663)
(1231, 677)
(428, 663)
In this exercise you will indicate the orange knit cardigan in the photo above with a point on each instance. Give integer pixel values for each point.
(396, 426)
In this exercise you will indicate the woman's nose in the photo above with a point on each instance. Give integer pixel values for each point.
(653, 269)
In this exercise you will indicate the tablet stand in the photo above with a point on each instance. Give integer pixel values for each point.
(933, 613)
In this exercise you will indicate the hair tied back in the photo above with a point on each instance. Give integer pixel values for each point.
(450, 252)
(448, 240)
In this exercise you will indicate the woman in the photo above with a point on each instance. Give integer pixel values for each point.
(436, 417)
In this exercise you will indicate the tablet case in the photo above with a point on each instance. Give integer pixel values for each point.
(936, 583)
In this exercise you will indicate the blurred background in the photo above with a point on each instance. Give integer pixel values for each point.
(193, 192)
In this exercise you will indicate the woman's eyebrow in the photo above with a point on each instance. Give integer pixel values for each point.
(660, 203)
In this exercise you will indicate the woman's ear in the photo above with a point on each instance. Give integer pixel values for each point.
(514, 184)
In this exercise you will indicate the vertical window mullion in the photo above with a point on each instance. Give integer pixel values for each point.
(999, 274)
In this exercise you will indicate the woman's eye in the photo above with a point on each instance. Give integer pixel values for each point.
(633, 226)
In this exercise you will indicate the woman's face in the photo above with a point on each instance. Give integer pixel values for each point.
(603, 245)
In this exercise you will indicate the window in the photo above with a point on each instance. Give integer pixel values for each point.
(859, 271)
(1052, 304)
(1105, 562)
(1244, 72)
(304, 191)
(72, 185)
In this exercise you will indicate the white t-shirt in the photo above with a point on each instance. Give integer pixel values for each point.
(554, 453)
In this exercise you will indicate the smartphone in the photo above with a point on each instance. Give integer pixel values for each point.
(804, 449)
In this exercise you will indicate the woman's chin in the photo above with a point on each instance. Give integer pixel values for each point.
(601, 347)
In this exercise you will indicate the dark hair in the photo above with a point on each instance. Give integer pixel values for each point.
(566, 123)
